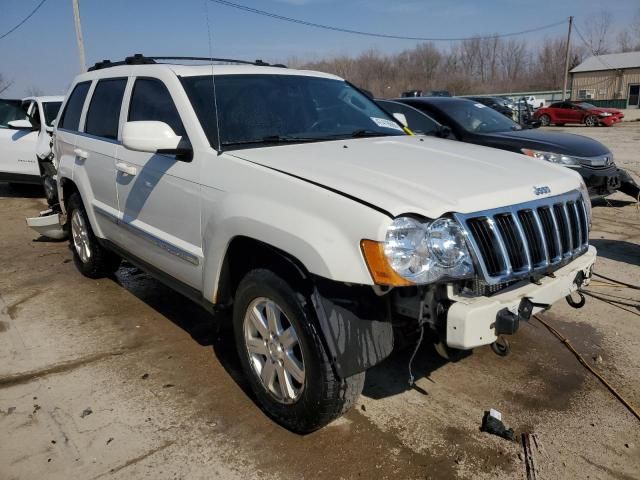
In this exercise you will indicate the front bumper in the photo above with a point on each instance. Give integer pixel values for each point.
(471, 321)
(600, 181)
(610, 121)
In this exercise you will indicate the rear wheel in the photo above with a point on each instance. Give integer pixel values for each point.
(91, 258)
(545, 120)
(591, 121)
(283, 357)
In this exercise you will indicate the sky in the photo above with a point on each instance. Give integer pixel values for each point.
(43, 55)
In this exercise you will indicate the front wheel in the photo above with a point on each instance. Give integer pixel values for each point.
(91, 258)
(283, 357)
(545, 120)
(591, 121)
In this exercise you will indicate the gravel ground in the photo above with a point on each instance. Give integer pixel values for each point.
(122, 378)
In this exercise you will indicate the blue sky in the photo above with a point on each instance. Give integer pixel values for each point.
(42, 54)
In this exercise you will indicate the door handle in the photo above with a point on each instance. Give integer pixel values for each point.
(80, 153)
(126, 169)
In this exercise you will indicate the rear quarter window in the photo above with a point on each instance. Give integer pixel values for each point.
(70, 119)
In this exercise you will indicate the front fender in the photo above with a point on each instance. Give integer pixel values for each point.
(324, 236)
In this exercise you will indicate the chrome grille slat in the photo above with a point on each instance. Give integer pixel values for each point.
(579, 227)
(503, 249)
(556, 232)
(520, 240)
(540, 234)
(523, 239)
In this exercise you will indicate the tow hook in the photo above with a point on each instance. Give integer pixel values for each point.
(573, 303)
(501, 347)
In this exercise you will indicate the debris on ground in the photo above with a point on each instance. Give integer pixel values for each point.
(86, 412)
(144, 376)
(492, 423)
(532, 448)
(109, 440)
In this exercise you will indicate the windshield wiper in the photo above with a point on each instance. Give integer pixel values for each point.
(274, 139)
(363, 132)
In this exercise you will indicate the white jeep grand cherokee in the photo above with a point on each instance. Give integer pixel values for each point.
(291, 198)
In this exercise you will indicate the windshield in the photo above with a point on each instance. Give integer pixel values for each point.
(585, 105)
(11, 110)
(50, 111)
(273, 109)
(477, 118)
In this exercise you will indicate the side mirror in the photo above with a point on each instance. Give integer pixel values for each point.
(152, 137)
(401, 118)
(21, 125)
(444, 132)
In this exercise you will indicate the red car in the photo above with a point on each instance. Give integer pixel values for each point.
(577, 112)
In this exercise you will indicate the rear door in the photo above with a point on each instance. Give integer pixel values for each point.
(17, 147)
(159, 194)
(95, 153)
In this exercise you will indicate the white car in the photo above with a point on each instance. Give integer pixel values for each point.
(292, 200)
(24, 138)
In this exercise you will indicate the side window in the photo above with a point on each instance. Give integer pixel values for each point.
(418, 122)
(104, 110)
(150, 100)
(70, 119)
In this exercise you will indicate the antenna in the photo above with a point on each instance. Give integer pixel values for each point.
(213, 78)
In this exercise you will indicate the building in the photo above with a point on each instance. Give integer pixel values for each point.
(608, 80)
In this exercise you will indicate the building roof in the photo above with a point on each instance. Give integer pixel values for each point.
(612, 61)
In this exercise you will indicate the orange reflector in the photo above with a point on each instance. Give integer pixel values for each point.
(381, 272)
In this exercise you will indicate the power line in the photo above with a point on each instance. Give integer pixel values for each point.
(590, 47)
(372, 34)
(24, 20)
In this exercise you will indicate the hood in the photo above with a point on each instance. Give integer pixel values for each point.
(613, 111)
(555, 142)
(422, 175)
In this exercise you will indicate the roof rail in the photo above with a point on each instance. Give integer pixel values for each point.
(139, 59)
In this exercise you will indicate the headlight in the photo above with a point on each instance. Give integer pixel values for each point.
(558, 158)
(605, 114)
(424, 252)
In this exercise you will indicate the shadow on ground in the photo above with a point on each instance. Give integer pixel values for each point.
(18, 190)
(389, 378)
(618, 250)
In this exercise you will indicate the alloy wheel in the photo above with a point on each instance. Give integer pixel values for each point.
(274, 350)
(80, 236)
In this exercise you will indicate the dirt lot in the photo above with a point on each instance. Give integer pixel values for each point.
(122, 378)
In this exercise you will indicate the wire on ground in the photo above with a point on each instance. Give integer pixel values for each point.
(581, 359)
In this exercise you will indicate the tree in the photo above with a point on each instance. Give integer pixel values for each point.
(4, 84)
(595, 32)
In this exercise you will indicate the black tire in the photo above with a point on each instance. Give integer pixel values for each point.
(324, 397)
(545, 120)
(591, 121)
(101, 262)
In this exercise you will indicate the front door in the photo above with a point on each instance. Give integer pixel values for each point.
(634, 96)
(159, 194)
(17, 147)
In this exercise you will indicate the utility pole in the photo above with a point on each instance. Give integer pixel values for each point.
(566, 60)
(76, 16)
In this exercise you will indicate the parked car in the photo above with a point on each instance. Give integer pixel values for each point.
(498, 104)
(560, 113)
(24, 140)
(291, 199)
(473, 122)
(533, 101)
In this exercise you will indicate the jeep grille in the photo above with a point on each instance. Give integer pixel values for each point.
(534, 237)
